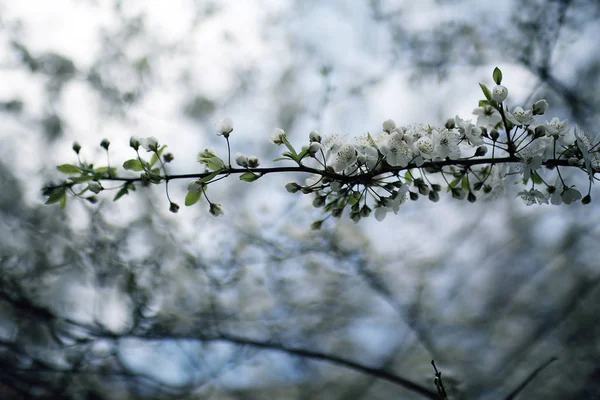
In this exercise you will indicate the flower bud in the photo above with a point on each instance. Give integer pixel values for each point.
(292, 187)
(105, 143)
(540, 107)
(319, 201)
(95, 187)
(389, 125)
(540, 131)
(76, 147)
(314, 148)
(481, 151)
(168, 157)
(499, 93)
(224, 127)
(253, 162)
(277, 136)
(215, 209)
(450, 124)
(434, 196)
(587, 199)
(241, 160)
(494, 134)
(135, 142)
(173, 207)
(150, 143)
(314, 136)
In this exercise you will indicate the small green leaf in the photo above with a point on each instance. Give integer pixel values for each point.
(483, 103)
(63, 201)
(155, 157)
(281, 159)
(133, 165)
(454, 183)
(486, 92)
(209, 177)
(465, 183)
(82, 178)
(214, 163)
(249, 177)
(122, 192)
(497, 75)
(110, 171)
(536, 178)
(192, 197)
(69, 169)
(56, 196)
(290, 148)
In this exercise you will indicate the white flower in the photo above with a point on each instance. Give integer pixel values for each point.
(532, 157)
(391, 203)
(499, 93)
(555, 127)
(585, 142)
(277, 136)
(533, 196)
(446, 144)
(425, 147)
(224, 127)
(473, 134)
(345, 159)
(487, 116)
(389, 125)
(396, 151)
(521, 117)
(241, 160)
(150, 143)
(367, 154)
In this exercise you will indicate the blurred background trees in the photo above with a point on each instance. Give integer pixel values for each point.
(128, 301)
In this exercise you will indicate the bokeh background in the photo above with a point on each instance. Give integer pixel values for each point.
(128, 301)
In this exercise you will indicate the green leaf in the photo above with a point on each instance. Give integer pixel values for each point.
(69, 169)
(133, 165)
(82, 178)
(483, 103)
(122, 192)
(536, 178)
(249, 177)
(290, 148)
(155, 157)
(192, 197)
(465, 183)
(56, 196)
(63, 201)
(209, 177)
(454, 183)
(497, 75)
(486, 92)
(110, 171)
(282, 159)
(214, 163)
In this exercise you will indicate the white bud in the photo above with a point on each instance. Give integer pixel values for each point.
(277, 136)
(150, 143)
(253, 162)
(314, 136)
(135, 142)
(389, 125)
(499, 93)
(314, 148)
(224, 127)
(540, 107)
(241, 160)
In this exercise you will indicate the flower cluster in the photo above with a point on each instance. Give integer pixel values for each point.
(376, 174)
